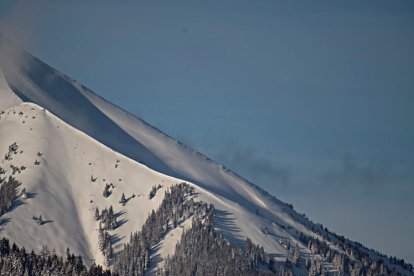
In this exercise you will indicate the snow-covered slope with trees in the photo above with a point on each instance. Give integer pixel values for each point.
(73, 144)
(66, 184)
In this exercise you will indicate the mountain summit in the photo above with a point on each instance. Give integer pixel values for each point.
(76, 155)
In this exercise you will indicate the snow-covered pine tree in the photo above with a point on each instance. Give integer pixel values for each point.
(97, 215)
(100, 238)
(153, 192)
(106, 191)
(296, 255)
(24, 194)
(16, 261)
(123, 199)
(9, 191)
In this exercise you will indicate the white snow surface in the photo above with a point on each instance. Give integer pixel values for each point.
(60, 188)
(8, 98)
(81, 135)
(77, 128)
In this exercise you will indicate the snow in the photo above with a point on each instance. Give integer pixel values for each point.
(167, 245)
(8, 98)
(34, 81)
(61, 189)
(81, 135)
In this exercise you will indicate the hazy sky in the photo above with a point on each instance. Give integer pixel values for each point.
(311, 100)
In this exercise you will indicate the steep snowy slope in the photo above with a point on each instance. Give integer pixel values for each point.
(60, 187)
(81, 135)
(61, 190)
(68, 159)
(8, 98)
(33, 81)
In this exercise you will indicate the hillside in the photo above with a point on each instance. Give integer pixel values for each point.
(60, 186)
(73, 143)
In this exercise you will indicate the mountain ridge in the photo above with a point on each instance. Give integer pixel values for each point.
(246, 210)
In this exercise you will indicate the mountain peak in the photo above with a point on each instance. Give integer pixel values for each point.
(82, 153)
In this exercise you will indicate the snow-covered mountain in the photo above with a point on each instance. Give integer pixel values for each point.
(72, 143)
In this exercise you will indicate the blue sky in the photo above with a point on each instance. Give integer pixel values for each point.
(313, 101)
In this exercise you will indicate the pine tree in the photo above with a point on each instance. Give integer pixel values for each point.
(123, 200)
(106, 191)
(296, 255)
(153, 192)
(97, 216)
(45, 252)
(24, 194)
(9, 191)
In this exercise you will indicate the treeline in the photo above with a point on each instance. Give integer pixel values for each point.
(361, 264)
(16, 261)
(177, 206)
(9, 188)
(358, 251)
(202, 251)
(354, 249)
(9, 191)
